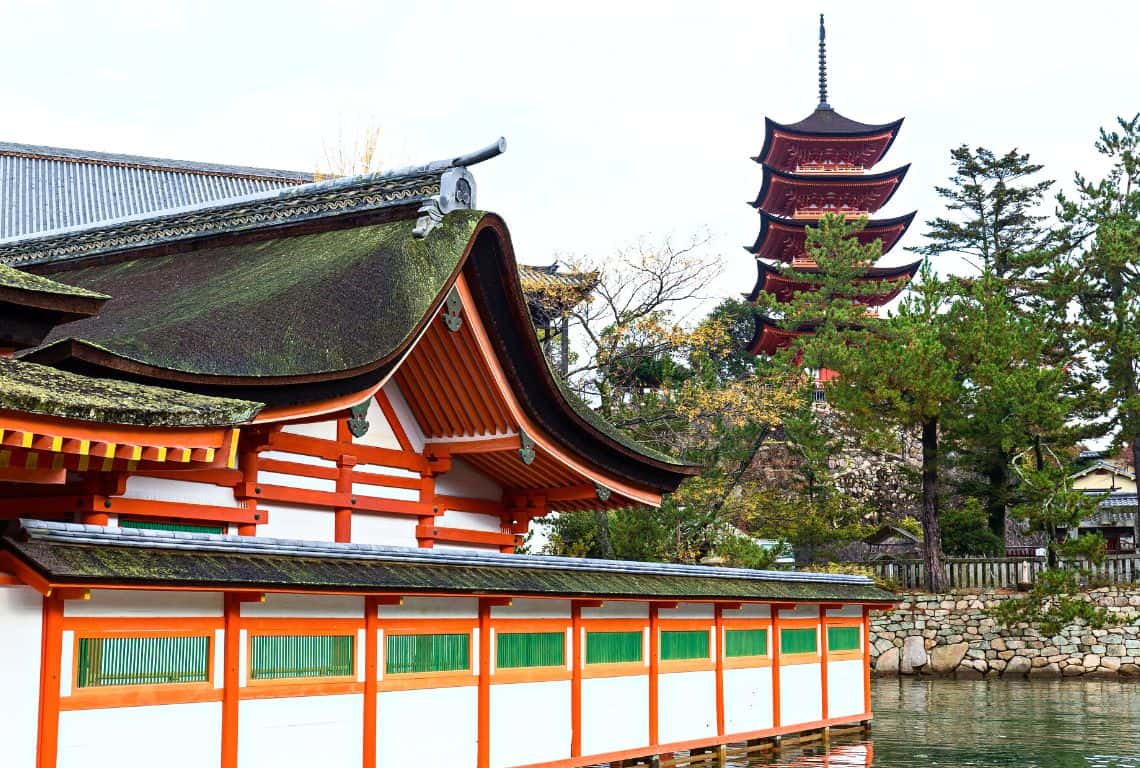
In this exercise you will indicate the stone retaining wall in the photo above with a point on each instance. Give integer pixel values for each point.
(956, 635)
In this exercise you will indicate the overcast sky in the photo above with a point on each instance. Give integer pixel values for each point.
(624, 120)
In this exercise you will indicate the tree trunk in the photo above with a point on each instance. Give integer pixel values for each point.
(605, 544)
(931, 528)
(1136, 473)
(998, 477)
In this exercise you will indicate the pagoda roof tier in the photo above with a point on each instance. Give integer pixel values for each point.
(825, 137)
(30, 306)
(811, 195)
(776, 282)
(784, 239)
(770, 338)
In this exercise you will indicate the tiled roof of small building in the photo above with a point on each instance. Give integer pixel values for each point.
(37, 389)
(73, 554)
(19, 280)
(50, 188)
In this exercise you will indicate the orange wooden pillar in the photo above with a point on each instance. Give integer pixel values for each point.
(867, 659)
(775, 609)
(47, 736)
(483, 745)
(654, 672)
(247, 463)
(823, 662)
(231, 680)
(718, 628)
(371, 670)
(342, 517)
(578, 653)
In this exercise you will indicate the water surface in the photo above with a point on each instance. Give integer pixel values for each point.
(979, 724)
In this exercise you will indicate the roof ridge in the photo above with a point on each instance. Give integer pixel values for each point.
(64, 154)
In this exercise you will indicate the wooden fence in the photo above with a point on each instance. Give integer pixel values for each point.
(1003, 572)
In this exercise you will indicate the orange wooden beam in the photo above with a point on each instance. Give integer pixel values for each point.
(371, 672)
(654, 671)
(718, 621)
(25, 573)
(483, 714)
(47, 736)
(576, 677)
(467, 536)
(231, 656)
(485, 445)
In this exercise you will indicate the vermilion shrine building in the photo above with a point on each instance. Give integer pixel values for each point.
(267, 445)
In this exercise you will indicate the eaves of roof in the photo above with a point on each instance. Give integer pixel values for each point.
(79, 555)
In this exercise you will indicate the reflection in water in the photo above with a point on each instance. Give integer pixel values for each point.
(928, 723)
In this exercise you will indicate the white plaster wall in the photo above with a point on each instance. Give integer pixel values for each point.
(471, 521)
(433, 608)
(390, 530)
(21, 622)
(801, 695)
(306, 606)
(845, 688)
(129, 602)
(298, 458)
(688, 611)
(615, 713)
(847, 612)
(385, 492)
(326, 430)
(530, 608)
(750, 611)
(686, 706)
(433, 727)
(404, 414)
(302, 731)
(296, 521)
(296, 481)
(171, 735)
(379, 432)
(380, 469)
(464, 480)
(801, 612)
(519, 735)
(161, 489)
(747, 699)
(618, 609)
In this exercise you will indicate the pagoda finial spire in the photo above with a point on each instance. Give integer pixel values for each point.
(822, 66)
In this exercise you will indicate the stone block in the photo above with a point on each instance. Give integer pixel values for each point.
(913, 656)
(946, 658)
(888, 662)
(1047, 671)
(1018, 666)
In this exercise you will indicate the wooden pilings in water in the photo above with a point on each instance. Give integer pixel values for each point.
(719, 754)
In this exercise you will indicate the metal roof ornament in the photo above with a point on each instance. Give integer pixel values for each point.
(452, 309)
(456, 187)
(357, 423)
(822, 66)
(602, 492)
(526, 448)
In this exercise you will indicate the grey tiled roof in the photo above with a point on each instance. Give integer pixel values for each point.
(50, 188)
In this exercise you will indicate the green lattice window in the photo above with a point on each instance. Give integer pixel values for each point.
(684, 644)
(160, 525)
(530, 649)
(409, 654)
(798, 641)
(843, 638)
(613, 647)
(281, 657)
(106, 661)
(745, 642)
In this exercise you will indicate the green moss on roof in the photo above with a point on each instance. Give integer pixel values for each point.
(11, 277)
(38, 389)
(293, 306)
(78, 563)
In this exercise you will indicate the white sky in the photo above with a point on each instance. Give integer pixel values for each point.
(623, 119)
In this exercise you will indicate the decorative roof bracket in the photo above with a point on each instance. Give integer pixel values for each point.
(526, 447)
(602, 492)
(357, 423)
(456, 187)
(452, 309)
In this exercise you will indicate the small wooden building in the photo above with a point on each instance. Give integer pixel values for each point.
(264, 461)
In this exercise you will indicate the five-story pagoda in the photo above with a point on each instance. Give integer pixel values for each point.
(819, 165)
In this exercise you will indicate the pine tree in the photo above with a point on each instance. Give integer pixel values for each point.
(1099, 273)
(992, 224)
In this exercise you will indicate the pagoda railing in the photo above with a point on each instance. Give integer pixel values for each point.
(815, 214)
(828, 168)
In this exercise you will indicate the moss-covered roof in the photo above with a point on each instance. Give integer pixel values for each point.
(19, 280)
(290, 307)
(69, 554)
(37, 389)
